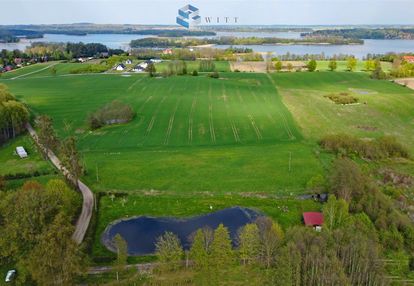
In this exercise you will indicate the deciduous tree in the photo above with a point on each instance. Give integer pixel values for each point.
(312, 65)
(332, 65)
(249, 243)
(169, 251)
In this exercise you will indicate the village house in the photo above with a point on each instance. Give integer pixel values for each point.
(18, 62)
(138, 68)
(128, 62)
(167, 52)
(313, 219)
(120, 67)
(408, 59)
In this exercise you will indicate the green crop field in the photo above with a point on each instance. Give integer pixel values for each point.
(190, 133)
(220, 66)
(342, 66)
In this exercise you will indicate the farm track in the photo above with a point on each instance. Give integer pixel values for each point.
(210, 117)
(33, 72)
(84, 219)
(135, 83)
(154, 116)
(190, 121)
(255, 128)
(171, 123)
(232, 124)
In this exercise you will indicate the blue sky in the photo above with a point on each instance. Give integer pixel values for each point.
(249, 12)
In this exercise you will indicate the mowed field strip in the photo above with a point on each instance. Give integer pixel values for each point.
(175, 111)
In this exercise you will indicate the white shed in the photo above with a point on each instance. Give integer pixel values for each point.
(21, 152)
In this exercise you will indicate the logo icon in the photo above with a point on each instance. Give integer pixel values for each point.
(188, 16)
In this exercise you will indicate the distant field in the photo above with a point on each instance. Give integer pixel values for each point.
(28, 70)
(221, 66)
(384, 108)
(342, 66)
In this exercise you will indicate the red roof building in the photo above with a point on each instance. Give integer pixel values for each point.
(409, 59)
(313, 218)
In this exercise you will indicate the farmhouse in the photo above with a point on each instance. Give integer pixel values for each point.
(120, 67)
(409, 59)
(142, 66)
(167, 52)
(313, 219)
(128, 62)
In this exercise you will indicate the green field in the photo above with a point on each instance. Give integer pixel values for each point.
(342, 66)
(190, 133)
(384, 108)
(220, 66)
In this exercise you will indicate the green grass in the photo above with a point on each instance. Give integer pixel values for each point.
(287, 211)
(12, 164)
(385, 108)
(25, 70)
(342, 66)
(221, 66)
(190, 133)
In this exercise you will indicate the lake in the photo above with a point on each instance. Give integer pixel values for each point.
(141, 233)
(121, 41)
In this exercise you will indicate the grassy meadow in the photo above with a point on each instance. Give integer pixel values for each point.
(220, 66)
(384, 108)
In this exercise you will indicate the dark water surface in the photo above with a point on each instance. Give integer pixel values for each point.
(142, 232)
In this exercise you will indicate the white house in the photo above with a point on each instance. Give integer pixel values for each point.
(128, 62)
(138, 68)
(21, 152)
(120, 67)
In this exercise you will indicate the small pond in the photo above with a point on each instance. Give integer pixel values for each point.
(142, 232)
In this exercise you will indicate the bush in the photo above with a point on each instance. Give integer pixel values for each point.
(207, 66)
(90, 69)
(384, 147)
(214, 75)
(195, 73)
(113, 113)
(342, 98)
(312, 65)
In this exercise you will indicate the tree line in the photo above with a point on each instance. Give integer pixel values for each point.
(181, 43)
(364, 33)
(13, 115)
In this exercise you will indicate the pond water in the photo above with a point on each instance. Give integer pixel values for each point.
(142, 232)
